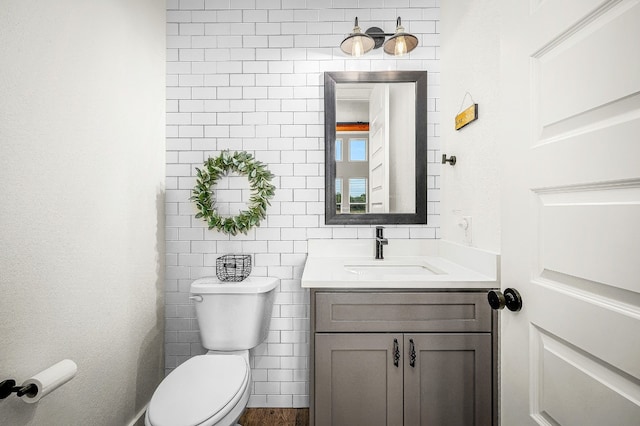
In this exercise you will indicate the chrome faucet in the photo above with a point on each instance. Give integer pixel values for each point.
(380, 241)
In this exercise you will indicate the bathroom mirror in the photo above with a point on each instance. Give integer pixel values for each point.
(375, 147)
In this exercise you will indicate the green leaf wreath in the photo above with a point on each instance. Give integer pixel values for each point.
(259, 177)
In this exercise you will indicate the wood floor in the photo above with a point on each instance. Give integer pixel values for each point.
(275, 417)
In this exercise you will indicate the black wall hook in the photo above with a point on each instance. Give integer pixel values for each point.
(451, 160)
(7, 387)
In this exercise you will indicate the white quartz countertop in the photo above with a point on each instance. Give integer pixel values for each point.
(426, 264)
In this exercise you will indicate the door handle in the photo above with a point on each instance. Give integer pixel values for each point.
(511, 299)
(396, 353)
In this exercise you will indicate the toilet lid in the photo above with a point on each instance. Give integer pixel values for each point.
(197, 390)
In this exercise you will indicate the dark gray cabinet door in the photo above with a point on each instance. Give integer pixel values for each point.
(450, 381)
(356, 381)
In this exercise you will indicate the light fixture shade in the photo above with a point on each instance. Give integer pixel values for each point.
(357, 43)
(400, 43)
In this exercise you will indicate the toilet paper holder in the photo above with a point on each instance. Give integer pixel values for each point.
(37, 387)
(7, 387)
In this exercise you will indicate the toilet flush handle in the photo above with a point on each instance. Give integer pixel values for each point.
(196, 298)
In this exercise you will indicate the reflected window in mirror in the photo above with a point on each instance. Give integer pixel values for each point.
(358, 149)
(358, 195)
(376, 147)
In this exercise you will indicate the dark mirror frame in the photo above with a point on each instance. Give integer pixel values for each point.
(330, 81)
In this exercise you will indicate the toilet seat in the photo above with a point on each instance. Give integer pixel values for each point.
(202, 390)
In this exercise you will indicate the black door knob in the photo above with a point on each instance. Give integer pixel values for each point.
(511, 299)
(496, 299)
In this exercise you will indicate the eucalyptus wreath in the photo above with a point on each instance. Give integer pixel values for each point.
(262, 190)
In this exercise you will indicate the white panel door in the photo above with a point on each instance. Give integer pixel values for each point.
(379, 149)
(571, 212)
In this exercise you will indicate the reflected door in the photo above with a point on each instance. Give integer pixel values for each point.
(571, 204)
(379, 149)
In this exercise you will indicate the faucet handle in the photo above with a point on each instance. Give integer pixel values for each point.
(380, 241)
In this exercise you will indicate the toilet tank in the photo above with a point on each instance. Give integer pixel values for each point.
(233, 316)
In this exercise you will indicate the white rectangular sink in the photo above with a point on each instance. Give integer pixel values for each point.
(390, 269)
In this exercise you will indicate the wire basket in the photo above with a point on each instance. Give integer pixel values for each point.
(233, 267)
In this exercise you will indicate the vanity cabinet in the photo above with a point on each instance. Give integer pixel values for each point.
(402, 357)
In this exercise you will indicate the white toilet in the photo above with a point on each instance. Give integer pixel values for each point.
(213, 389)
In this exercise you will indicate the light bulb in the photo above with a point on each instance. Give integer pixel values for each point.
(401, 46)
(357, 48)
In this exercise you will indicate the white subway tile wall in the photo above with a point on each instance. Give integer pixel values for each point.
(248, 75)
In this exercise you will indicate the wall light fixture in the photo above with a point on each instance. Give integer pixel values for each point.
(358, 43)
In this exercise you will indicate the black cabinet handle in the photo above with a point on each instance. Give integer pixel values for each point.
(396, 353)
(412, 353)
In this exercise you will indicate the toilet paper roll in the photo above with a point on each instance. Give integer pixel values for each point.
(49, 380)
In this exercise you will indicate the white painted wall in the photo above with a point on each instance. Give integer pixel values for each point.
(248, 75)
(352, 111)
(81, 216)
(470, 62)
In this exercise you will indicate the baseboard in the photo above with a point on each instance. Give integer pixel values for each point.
(138, 420)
